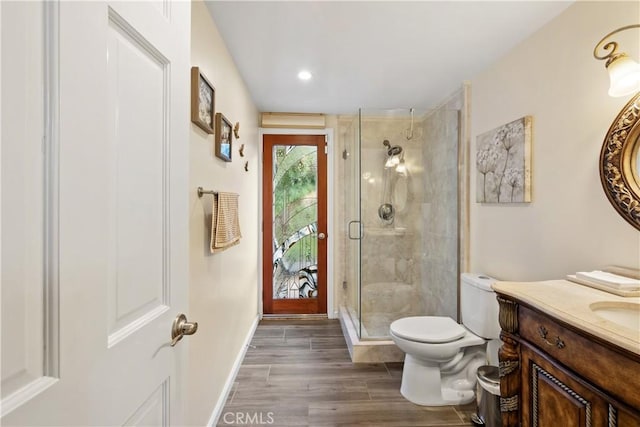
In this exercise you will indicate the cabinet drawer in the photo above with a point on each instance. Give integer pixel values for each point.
(544, 333)
(602, 366)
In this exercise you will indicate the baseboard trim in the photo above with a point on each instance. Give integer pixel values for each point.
(294, 316)
(228, 385)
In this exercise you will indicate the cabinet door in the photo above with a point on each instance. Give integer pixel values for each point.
(553, 397)
(623, 418)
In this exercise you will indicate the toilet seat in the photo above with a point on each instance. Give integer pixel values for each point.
(428, 329)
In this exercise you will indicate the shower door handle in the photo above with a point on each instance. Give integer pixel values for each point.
(359, 230)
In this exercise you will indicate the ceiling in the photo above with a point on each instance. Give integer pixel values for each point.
(378, 54)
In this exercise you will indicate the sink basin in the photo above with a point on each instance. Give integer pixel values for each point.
(625, 314)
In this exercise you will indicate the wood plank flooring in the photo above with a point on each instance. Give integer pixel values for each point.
(298, 373)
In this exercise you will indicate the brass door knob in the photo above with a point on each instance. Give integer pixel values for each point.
(181, 328)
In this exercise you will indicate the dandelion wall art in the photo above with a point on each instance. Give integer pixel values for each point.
(503, 163)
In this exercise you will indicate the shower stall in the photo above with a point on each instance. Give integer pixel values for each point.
(400, 171)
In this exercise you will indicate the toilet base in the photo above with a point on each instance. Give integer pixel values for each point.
(422, 385)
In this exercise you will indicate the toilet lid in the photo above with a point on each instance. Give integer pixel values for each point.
(429, 329)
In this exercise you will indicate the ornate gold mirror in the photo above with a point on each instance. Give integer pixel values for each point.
(620, 162)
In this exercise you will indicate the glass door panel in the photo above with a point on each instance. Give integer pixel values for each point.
(295, 222)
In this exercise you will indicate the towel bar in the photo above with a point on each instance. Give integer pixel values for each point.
(202, 191)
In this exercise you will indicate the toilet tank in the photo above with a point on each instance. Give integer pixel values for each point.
(478, 305)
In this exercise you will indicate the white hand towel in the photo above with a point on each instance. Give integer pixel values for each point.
(609, 279)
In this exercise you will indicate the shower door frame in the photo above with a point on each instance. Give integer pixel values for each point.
(330, 311)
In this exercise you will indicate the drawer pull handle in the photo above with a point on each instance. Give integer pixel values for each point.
(542, 331)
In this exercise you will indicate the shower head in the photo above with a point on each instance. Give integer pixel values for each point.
(394, 151)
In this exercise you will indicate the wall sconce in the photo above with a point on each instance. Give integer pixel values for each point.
(624, 72)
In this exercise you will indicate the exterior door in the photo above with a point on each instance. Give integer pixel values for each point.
(94, 211)
(295, 224)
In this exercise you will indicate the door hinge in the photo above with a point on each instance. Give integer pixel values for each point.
(326, 149)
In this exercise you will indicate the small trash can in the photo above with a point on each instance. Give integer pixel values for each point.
(488, 396)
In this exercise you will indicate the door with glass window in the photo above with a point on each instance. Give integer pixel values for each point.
(295, 224)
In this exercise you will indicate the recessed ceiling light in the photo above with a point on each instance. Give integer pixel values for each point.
(304, 75)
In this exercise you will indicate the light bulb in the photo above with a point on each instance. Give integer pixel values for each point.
(304, 75)
(389, 163)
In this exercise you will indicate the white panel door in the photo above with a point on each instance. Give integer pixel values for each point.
(95, 132)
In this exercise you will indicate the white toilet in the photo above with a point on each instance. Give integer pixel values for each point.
(442, 356)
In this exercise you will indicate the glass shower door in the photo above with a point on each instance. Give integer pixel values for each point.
(351, 191)
(408, 195)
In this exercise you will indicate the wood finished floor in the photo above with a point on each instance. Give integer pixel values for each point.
(298, 373)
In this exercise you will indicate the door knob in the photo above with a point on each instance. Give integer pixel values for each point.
(181, 328)
(321, 236)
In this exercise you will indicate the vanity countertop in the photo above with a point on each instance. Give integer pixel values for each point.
(572, 304)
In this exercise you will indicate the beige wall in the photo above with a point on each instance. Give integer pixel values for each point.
(223, 287)
(570, 225)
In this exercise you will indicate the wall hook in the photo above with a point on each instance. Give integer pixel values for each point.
(236, 130)
(246, 166)
(241, 150)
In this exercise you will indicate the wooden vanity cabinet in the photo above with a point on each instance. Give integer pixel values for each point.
(555, 375)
